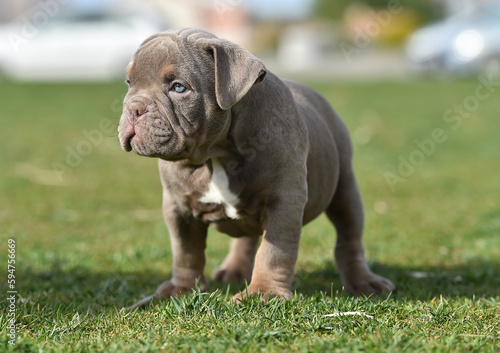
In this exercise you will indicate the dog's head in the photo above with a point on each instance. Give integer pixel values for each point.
(182, 85)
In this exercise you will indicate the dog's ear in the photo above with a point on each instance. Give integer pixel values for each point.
(236, 71)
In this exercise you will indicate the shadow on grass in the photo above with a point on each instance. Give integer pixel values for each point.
(81, 289)
(475, 279)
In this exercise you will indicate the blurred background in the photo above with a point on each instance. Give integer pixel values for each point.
(94, 40)
(416, 81)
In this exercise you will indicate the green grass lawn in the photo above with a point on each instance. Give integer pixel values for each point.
(86, 221)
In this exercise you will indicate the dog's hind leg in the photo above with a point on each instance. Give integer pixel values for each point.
(238, 264)
(346, 213)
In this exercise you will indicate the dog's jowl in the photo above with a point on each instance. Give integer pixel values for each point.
(252, 155)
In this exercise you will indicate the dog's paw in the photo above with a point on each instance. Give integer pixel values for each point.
(169, 289)
(240, 297)
(368, 284)
(265, 295)
(165, 290)
(228, 274)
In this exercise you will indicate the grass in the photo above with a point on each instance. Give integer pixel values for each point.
(90, 239)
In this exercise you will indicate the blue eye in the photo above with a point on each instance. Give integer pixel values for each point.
(178, 88)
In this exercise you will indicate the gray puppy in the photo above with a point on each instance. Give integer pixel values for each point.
(246, 152)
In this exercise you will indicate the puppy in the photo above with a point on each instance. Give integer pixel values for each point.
(252, 155)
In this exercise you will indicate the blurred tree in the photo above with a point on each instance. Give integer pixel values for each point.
(334, 9)
(330, 10)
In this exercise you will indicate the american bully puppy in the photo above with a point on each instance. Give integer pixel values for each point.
(252, 155)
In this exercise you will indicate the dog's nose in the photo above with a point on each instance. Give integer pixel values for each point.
(137, 109)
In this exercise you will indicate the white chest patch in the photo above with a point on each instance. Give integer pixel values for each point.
(218, 191)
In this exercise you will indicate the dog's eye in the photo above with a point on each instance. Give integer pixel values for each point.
(179, 88)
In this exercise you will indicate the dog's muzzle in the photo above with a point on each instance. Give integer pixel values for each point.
(142, 127)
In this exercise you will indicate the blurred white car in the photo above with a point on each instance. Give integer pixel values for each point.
(466, 43)
(83, 47)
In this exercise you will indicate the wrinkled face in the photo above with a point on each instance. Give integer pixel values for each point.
(182, 85)
(170, 108)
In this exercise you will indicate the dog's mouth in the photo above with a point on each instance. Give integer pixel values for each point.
(127, 137)
(154, 138)
(150, 132)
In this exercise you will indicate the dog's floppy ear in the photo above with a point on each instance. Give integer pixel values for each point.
(236, 71)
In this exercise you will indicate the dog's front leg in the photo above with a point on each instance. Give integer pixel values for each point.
(275, 259)
(188, 242)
